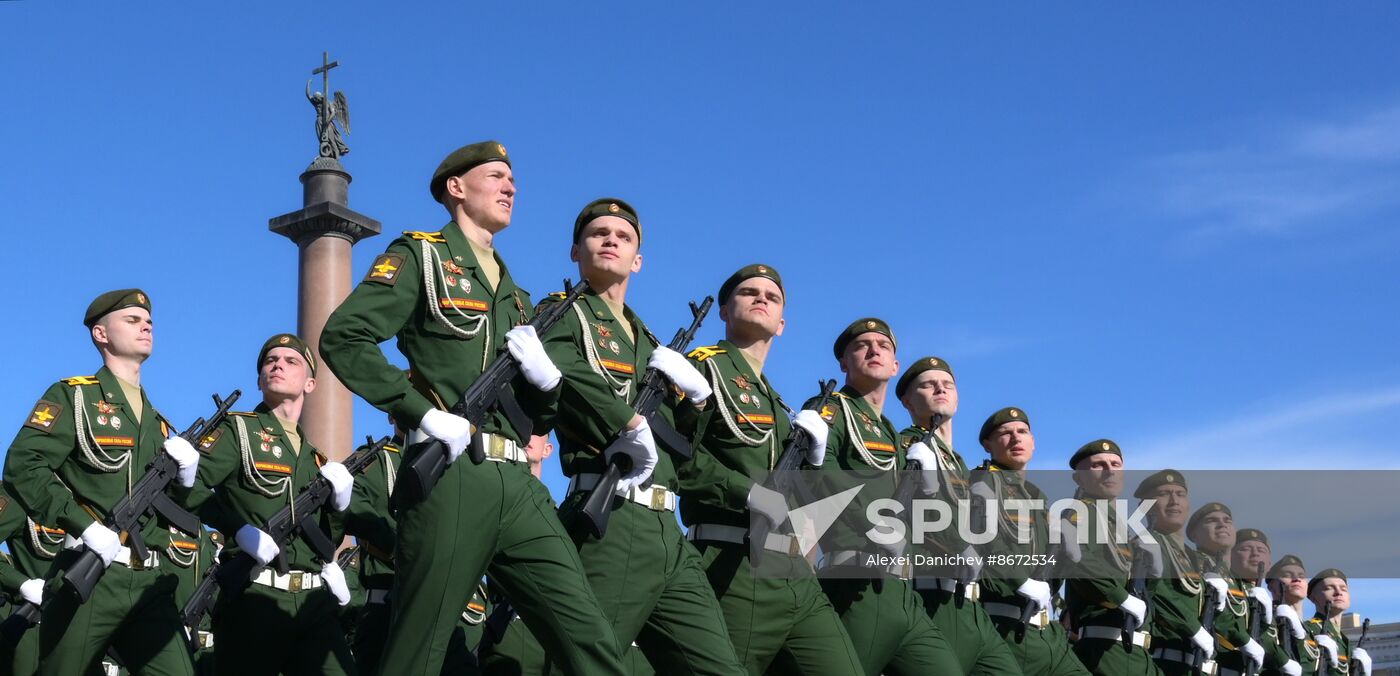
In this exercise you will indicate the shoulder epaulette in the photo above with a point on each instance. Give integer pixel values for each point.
(391, 448)
(558, 295)
(843, 395)
(80, 380)
(246, 414)
(705, 352)
(429, 237)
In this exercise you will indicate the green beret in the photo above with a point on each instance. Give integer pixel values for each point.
(1288, 560)
(1166, 477)
(1005, 415)
(859, 326)
(1094, 447)
(607, 206)
(288, 340)
(1202, 513)
(749, 272)
(924, 364)
(1326, 573)
(113, 301)
(1251, 534)
(462, 160)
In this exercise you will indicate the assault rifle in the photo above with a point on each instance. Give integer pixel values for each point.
(1256, 627)
(597, 507)
(234, 573)
(1198, 656)
(1321, 657)
(799, 441)
(147, 496)
(904, 492)
(1139, 589)
(491, 391)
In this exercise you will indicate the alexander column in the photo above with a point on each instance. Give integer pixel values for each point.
(324, 229)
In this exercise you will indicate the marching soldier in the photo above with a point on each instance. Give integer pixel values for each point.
(1099, 595)
(85, 443)
(926, 389)
(1212, 528)
(191, 557)
(23, 576)
(451, 302)
(1288, 579)
(646, 576)
(1252, 550)
(253, 466)
(888, 625)
(1331, 596)
(780, 607)
(1010, 591)
(1175, 623)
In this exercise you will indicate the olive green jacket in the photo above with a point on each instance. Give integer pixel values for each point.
(861, 449)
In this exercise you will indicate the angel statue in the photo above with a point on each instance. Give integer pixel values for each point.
(327, 114)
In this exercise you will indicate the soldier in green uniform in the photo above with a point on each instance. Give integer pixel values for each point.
(928, 387)
(87, 440)
(191, 556)
(452, 303)
(888, 625)
(23, 576)
(1212, 528)
(1177, 596)
(1039, 645)
(1250, 551)
(1099, 596)
(254, 464)
(777, 608)
(1330, 586)
(1288, 578)
(645, 574)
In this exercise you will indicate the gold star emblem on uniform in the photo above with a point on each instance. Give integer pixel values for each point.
(603, 331)
(743, 382)
(870, 325)
(1105, 445)
(1014, 413)
(284, 340)
(613, 208)
(500, 149)
(141, 298)
(932, 361)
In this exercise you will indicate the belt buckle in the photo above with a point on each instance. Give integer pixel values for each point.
(1146, 639)
(294, 581)
(496, 448)
(658, 498)
(135, 562)
(972, 591)
(794, 549)
(205, 638)
(1210, 668)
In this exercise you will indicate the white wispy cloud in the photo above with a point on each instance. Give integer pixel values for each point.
(1282, 181)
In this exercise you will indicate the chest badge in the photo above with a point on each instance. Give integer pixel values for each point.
(742, 381)
(603, 331)
(452, 268)
(265, 437)
(114, 421)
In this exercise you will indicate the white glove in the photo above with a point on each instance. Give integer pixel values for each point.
(681, 373)
(1253, 652)
(256, 544)
(1136, 607)
(334, 578)
(928, 466)
(1203, 640)
(972, 564)
(1330, 646)
(638, 445)
(815, 426)
(102, 541)
(1266, 601)
(1360, 655)
(452, 430)
(1296, 625)
(185, 457)
(341, 481)
(1292, 668)
(32, 590)
(1036, 592)
(769, 503)
(1069, 541)
(535, 365)
(1222, 590)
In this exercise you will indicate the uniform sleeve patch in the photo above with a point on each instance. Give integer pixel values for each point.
(386, 270)
(207, 443)
(44, 415)
(828, 412)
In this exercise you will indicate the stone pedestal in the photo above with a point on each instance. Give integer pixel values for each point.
(324, 230)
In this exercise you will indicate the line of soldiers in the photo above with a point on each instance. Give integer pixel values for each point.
(642, 594)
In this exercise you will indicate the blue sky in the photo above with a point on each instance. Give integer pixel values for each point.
(1174, 227)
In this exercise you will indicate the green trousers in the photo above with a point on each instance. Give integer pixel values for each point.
(1103, 657)
(891, 631)
(133, 611)
(968, 628)
(373, 626)
(492, 517)
(518, 653)
(271, 631)
(779, 620)
(23, 658)
(1040, 651)
(654, 592)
